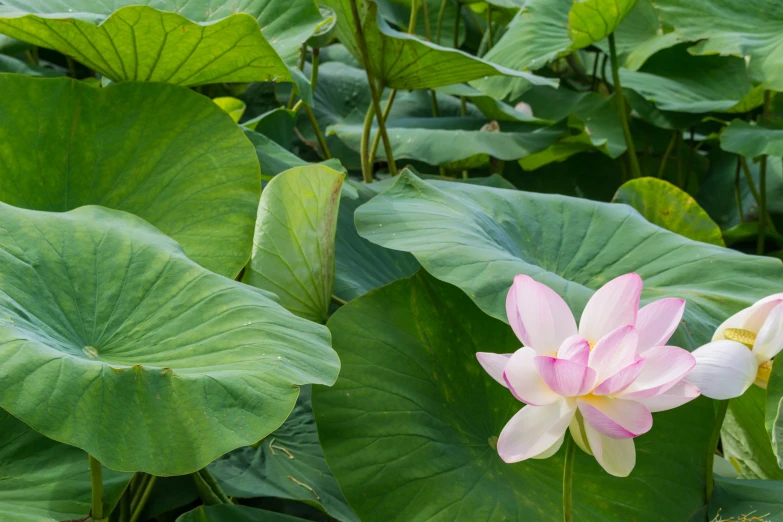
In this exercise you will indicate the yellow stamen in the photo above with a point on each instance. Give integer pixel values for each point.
(740, 335)
(592, 345)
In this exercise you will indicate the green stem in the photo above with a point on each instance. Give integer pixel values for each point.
(723, 406)
(318, 134)
(138, 491)
(338, 301)
(302, 56)
(96, 479)
(666, 154)
(376, 104)
(457, 18)
(425, 10)
(568, 479)
(365, 145)
(71, 66)
(763, 182)
(749, 179)
(208, 488)
(463, 106)
(316, 61)
(594, 80)
(621, 109)
(435, 110)
(441, 15)
(737, 192)
(691, 153)
(414, 13)
(125, 506)
(137, 509)
(490, 34)
(377, 138)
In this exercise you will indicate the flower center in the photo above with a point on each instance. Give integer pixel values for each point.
(740, 335)
(592, 345)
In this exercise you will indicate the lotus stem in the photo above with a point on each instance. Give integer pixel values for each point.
(377, 138)
(125, 506)
(435, 111)
(414, 13)
(490, 34)
(96, 479)
(457, 18)
(666, 154)
(143, 497)
(622, 110)
(441, 14)
(568, 479)
(364, 145)
(208, 489)
(318, 134)
(300, 64)
(723, 406)
(737, 192)
(315, 62)
(376, 104)
(763, 183)
(425, 10)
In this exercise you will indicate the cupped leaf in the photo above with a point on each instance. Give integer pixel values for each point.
(158, 151)
(728, 27)
(45, 481)
(593, 20)
(289, 463)
(113, 341)
(749, 140)
(744, 440)
(675, 80)
(747, 500)
(293, 247)
(403, 61)
(479, 238)
(361, 266)
(230, 513)
(669, 207)
(410, 428)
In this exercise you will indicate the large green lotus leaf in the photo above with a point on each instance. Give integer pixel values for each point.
(361, 266)
(44, 480)
(403, 61)
(113, 341)
(675, 80)
(727, 27)
(750, 140)
(479, 238)
(444, 141)
(744, 439)
(747, 500)
(289, 464)
(293, 247)
(158, 151)
(190, 43)
(410, 427)
(669, 207)
(230, 513)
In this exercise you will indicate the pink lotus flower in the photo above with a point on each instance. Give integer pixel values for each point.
(601, 381)
(741, 351)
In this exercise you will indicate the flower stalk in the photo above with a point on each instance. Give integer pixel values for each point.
(568, 479)
(723, 407)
